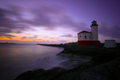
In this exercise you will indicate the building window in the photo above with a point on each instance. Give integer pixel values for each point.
(80, 36)
(89, 37)
(85, 36)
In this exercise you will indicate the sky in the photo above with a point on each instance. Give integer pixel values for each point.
(57, 21)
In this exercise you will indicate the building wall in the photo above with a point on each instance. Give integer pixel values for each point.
(94, 31)
(84, 36)
(110, 43)
(88, 43)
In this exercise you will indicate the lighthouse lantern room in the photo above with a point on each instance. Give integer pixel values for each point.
(89, 38)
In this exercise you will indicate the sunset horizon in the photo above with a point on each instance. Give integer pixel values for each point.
(56, 22)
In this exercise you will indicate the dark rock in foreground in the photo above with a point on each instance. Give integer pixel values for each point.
(107, 71)
(30, 75)
(41, 74)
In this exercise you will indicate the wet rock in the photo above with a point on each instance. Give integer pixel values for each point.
(106, 71)
(52, 73)
(41, 74)
(71, 63)
(65, 55)
(30, 75)
(74, 74)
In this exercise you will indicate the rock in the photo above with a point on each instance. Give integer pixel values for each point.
(74, 74)
(65, 55)
(106, 71)
(41, 74)
(71, 63)
(52, 73)
(30, 75)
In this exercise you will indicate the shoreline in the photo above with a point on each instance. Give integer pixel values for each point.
(53, 45)
(90, 70)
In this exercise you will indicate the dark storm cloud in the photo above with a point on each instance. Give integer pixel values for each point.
(60, 19)
(111, 31)
(35, 36)
(63, 20)
(81, 26)
(68, 35)
(46, 16)
(2, 34)
(7, 24)
(7, 35)
(23, 37)
(50, 17)
(63, 41)
(4, 30)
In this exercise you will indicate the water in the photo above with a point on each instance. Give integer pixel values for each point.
(16, 59)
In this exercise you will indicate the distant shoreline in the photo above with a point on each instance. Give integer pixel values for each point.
(8, 43)
(53, 45)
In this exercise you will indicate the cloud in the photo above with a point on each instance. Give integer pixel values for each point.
(7, 35)
(16, 18)
(5, 30)
(110, 31)
(34, 36)
(52, 17)
(23, 37)
(63, 41)
(68, 35)
(47, 16)
(10, 36)
(6, 22)
(8, 25)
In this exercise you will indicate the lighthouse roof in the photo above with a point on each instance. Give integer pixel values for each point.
(84, 32)
(94, 23)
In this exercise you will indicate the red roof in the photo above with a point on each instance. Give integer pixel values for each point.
(84, 32)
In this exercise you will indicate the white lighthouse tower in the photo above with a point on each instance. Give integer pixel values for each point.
(94, 30)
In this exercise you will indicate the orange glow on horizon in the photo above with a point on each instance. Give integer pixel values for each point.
(19, 38)
(16, 38)
(4, 38)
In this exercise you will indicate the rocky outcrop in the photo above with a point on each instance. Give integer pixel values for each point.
(41, 74)
(106, 71)
(85, 50)
(71, 63)
(30, 75)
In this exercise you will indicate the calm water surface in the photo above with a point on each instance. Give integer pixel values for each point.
(15, 59)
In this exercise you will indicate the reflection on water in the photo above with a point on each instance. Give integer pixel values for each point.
(15, 59)
(2, 50)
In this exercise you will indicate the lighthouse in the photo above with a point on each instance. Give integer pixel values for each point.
(89, 38)
(94, 30)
